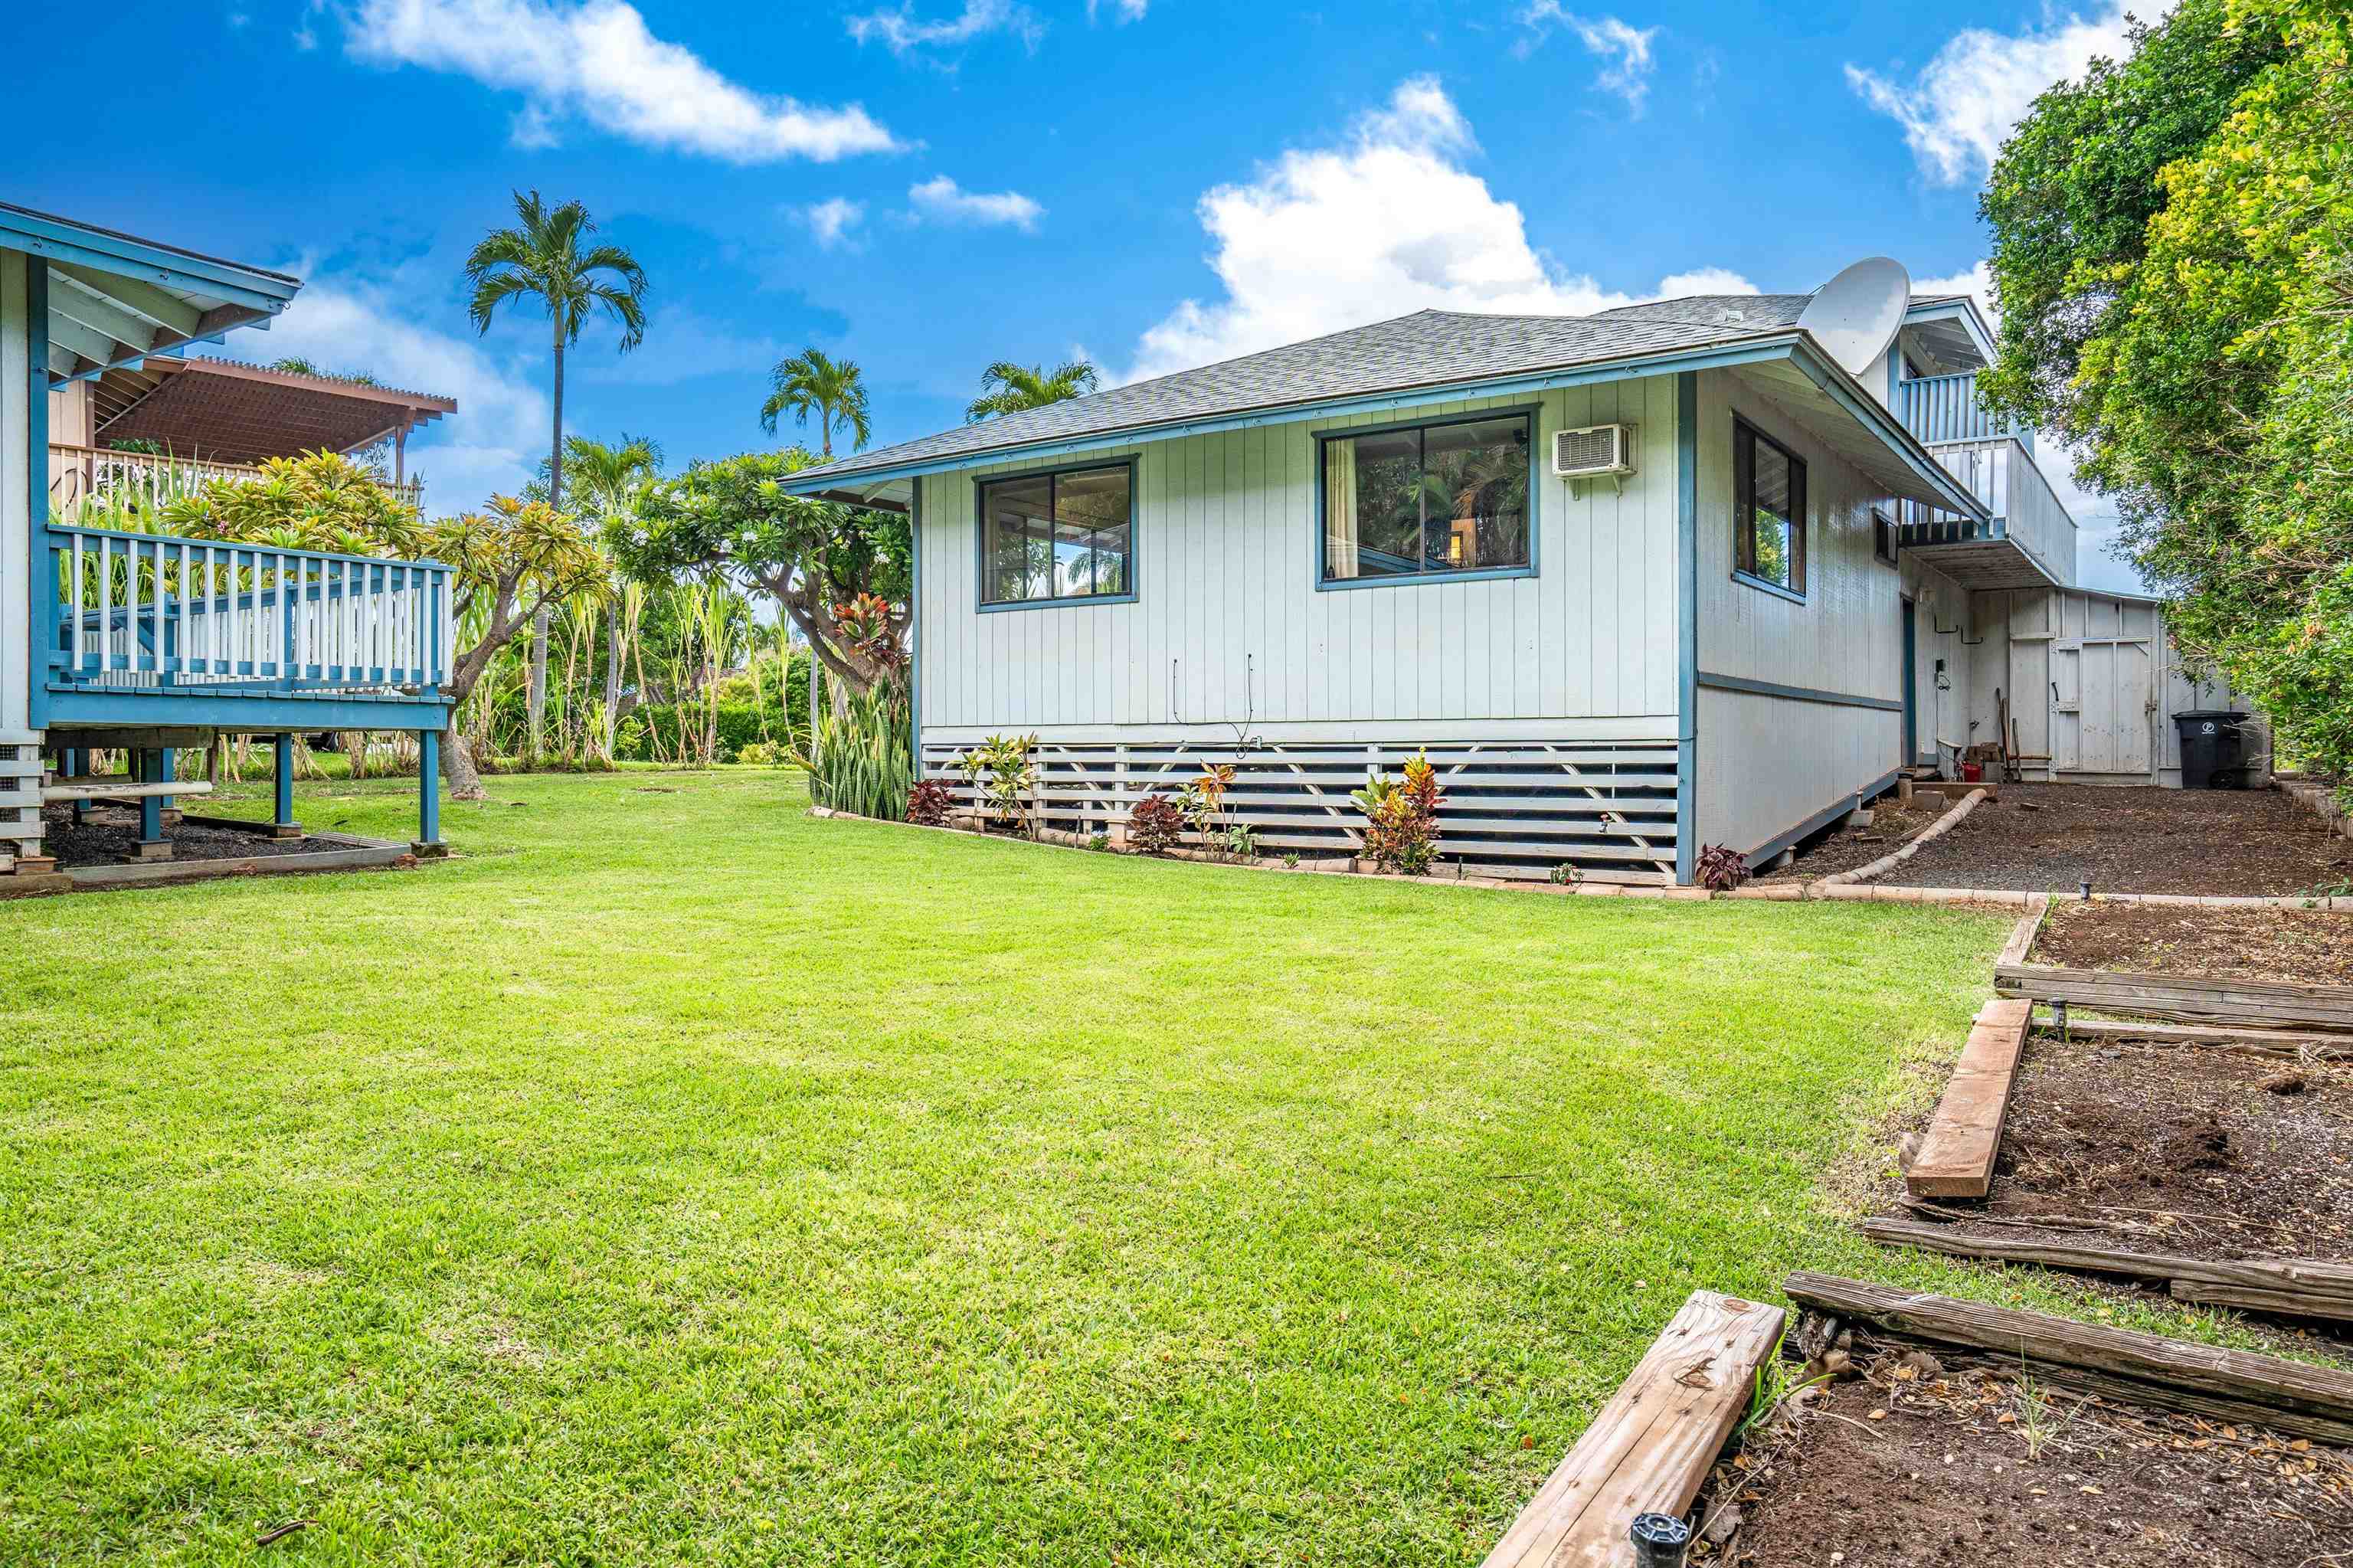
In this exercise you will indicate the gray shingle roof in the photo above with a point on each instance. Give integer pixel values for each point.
(1429, 348)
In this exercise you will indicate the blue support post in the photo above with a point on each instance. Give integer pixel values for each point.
(282, 756)
(147, 767)
(70, 765)
(428, 794)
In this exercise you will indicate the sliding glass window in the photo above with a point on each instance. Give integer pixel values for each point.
(1049, 538)
(1427, 500)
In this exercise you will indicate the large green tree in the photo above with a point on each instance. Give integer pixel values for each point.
(547, 257)
(1008, 389)
(834, 390)
(840, 573)
(2175, 257)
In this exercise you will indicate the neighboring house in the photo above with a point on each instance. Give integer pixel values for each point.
(140, 642)
(191, 419)
(1329, 555)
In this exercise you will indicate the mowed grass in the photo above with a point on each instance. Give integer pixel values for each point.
(676, 1177)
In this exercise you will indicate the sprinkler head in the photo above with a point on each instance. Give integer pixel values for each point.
(1659, 1541)
(2058, 1017)
(2086, 888)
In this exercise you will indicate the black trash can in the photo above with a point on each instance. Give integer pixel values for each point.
(2213, 749)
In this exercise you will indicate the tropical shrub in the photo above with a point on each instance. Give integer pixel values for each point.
(1203, 800)
(1720, 868)
(1004, 771)
(859, 760)
(1154, 825)
(1401, 817)
(928, 802)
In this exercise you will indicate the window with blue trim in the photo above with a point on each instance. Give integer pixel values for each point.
(1427, 500)
(1069, 535)
(1769, 511)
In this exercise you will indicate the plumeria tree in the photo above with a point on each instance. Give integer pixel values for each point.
(839, 574)
(513, 560)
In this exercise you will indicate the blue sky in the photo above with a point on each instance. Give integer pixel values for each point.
(930, 185)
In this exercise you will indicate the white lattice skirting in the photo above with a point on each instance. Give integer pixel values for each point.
(1513, 807)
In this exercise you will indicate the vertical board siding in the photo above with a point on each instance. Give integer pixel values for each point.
(1767, 765)
(1226, 550)
(17, 522)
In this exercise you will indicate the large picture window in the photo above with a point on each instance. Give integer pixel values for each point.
(1049, 538)
(1768, 511)
(1427, 500)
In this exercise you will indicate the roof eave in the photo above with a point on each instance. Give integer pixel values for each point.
(1793, 344)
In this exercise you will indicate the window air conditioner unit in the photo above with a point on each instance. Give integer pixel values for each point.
(1597, 452)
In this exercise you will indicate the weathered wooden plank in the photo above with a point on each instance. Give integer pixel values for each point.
(2306, 1275)
(2295, 1396)
(2169, 996)
(1955, 1159)
(1651, 1446)
(2022, 935)
(2336, 1308)
(2275, 1042)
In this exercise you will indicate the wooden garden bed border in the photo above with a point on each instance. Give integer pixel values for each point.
(1652, 1445)
(2258, 1003)
(2295, 1397)
(352, 853)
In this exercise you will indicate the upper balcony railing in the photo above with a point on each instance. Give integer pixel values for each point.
(99, 475)
(2004, 475)
(1941, 408)
(149, 612)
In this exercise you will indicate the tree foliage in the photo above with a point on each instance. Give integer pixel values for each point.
(811, 382)
(842, 574)
(1008, 389)
(2175, 261)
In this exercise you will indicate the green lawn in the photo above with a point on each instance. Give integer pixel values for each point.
(677, 1178)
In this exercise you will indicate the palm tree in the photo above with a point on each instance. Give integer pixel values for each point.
(541, 259)
(1013, 388)
(811, 382)
(615, 480)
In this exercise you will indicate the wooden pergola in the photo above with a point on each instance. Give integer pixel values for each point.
(221, 411)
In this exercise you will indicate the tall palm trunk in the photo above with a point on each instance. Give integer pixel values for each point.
(612, 678)
(535, 697)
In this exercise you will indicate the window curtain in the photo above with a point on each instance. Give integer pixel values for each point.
(1340, 508)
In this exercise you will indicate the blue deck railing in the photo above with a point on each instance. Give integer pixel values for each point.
(1940, 408)
(154, 613)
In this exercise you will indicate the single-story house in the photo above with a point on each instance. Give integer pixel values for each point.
(1667, 576)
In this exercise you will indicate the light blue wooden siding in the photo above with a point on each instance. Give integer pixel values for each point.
(1228, 625)
(1768, 764)
(19, 463)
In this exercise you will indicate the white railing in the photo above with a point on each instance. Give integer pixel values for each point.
(147, 610)
(81, 475)
(1940, 408)
(2004, 475)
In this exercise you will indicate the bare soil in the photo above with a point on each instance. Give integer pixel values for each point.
(1894, 823)
(2037, 838)
(1915, 1466)
(2303, 948)
(107, 836)
(2177, 1150)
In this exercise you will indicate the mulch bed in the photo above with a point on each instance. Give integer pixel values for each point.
(110, 835)
(1894, 823)
(2038, 838)
(2170, 1149)
(1913, 1464)
(2286, 945)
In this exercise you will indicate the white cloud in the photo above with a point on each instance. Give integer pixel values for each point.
(943, 200)
(499, 434)
(1977, 283)
(904, 35)
(1385, 224)
(833, 220)
(1964, 104)
(1124, 11)
(598, 61)
(1623, 50)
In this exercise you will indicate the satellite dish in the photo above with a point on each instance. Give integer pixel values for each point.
(1855, 314)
